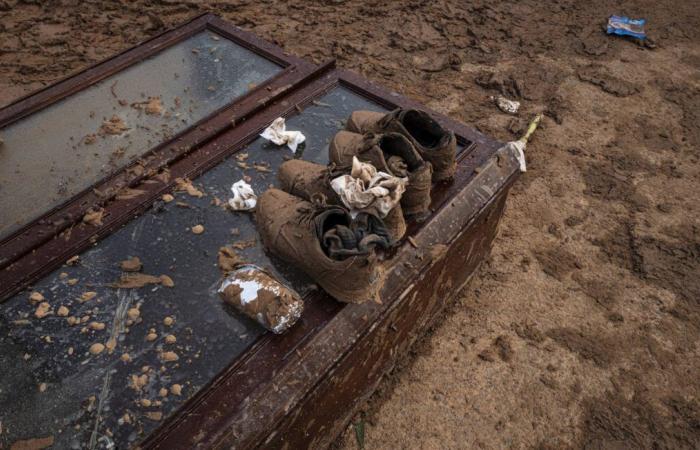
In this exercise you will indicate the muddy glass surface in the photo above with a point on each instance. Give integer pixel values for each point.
(59, 151)
(100, 366)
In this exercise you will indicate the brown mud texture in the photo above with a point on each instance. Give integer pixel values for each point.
(581, 330)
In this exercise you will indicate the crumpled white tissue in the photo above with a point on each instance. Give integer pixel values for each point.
(278, 134)
(244, 198)
(368, 190)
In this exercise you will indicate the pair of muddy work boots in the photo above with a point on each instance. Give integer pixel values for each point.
(308, 224)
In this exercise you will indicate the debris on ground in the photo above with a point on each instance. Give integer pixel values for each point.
(507, 106)
(244, 198)
(198, 229)
(278, 134)
(624, 26)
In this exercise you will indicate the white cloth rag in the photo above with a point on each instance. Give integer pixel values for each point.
(244, 198)
(368, 190)
(518, 148)
(278, 134)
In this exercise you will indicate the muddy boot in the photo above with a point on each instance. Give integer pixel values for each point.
(307, 180)
(435, 144)
(338, 253)
(393, 154)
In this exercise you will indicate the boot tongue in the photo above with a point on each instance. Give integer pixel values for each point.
(341, 237)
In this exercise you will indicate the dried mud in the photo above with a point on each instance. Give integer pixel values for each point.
(581, 330)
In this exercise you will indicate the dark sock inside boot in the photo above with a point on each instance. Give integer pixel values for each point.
(423, 128)
(341, 239)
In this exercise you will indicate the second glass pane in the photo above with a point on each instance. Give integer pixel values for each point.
(55, 153)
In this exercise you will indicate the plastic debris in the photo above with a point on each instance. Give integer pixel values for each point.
(244, 199)
(369, 190)
(278, 134)
(507, 106)
(624, 26)
(255, 293)
(518, 147)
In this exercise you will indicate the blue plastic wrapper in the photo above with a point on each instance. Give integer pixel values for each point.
(624, 26)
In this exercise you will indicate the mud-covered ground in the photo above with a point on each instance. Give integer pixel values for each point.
(582, 329)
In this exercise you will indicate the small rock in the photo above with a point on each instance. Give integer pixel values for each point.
(133, 313)
(167, 198)
(62, 311)
(154, 415)
(169, 356)
(170, 339)
(36, 297)
(198, 229)
(42, 310)
(168, 321)
(138, 382)
(96, 326)
(176, 389)
(87, 296)
(97, 348)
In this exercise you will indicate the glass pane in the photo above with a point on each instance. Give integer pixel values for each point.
(59, 151)
(88, 397)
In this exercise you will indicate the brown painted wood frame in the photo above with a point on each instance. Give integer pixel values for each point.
(257, 396)
(16, 271)
(300, 389)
